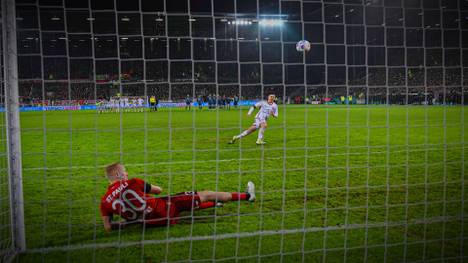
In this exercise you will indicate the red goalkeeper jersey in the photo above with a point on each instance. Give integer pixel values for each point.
(129, 199)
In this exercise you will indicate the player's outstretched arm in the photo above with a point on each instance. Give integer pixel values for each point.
(274, 114)
(252, 108)
(110, 225)
(107, 223)
(155, 189)
(150, 188)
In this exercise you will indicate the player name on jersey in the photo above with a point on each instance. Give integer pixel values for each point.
(116, 192)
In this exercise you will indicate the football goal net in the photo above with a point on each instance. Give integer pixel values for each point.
(357, 156)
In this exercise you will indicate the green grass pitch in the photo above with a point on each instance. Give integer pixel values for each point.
(398, 169)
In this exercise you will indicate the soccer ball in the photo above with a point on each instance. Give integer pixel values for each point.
(303, 45)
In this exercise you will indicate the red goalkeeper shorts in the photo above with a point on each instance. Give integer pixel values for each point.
(181, 202)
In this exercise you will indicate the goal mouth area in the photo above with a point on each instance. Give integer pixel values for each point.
(360, 156)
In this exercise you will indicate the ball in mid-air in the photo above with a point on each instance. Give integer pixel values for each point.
(303, 46)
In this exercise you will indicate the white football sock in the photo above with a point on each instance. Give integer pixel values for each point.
(260, 133)
(244, 133)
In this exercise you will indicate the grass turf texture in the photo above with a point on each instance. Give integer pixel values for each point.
(410, 157)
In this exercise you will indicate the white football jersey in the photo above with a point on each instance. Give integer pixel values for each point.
(265, 110)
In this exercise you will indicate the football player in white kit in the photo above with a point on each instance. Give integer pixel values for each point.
(125, 104)
(266, 109)
(140, 104)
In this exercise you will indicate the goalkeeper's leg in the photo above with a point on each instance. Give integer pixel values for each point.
(188, 201)
(209, 204)
(206, 196)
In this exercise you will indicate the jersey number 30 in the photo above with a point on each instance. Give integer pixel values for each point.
(127, 206)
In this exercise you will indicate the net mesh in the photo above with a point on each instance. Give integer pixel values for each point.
(365, 163)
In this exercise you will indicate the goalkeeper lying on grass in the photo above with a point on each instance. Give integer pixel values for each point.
(131, 200)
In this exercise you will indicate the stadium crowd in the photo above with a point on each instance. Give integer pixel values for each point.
(396, 87)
